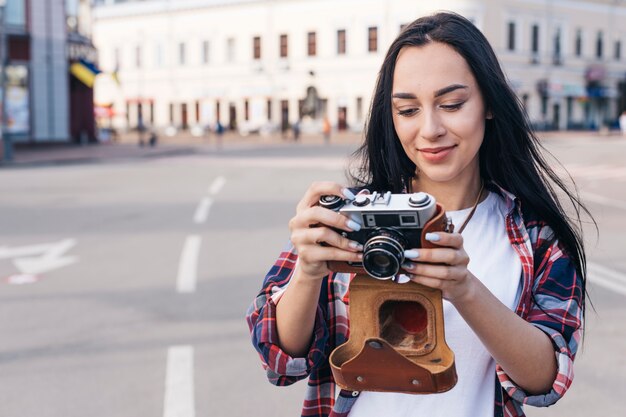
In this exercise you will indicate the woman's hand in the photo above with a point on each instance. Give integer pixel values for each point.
(444, 267)
(313, 236)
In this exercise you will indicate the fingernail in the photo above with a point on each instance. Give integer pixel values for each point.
(408, 265)
(411, 254)
(402, 278)
(348, 194)
(353, 225)
(355, 245)
(432, 237)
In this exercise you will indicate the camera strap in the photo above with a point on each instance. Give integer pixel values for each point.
(473, 210)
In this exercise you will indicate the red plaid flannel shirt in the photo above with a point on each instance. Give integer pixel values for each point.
(551, 299)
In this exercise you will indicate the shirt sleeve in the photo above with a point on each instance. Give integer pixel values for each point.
(281, 368)
(556, 309)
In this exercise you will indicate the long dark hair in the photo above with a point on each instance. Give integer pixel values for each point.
(510, 155)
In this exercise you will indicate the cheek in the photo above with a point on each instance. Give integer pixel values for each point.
(470, 127)
(405, 129)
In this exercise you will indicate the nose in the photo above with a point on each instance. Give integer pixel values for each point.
(432, 126)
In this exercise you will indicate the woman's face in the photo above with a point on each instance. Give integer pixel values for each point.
(438, 112)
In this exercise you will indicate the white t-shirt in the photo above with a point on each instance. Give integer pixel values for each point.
(494, 261)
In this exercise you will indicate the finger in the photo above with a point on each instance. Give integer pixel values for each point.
(427, 281)
(451, 240)
(330, 237)
(318, 215)
(318, 253)
(448, 256)
(442, 272)
(320, 188)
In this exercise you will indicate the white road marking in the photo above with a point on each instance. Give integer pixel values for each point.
(607, 278)
(595, 198)
(51, 256)
(188, 266)
(179, 388)
(217, 185)
(43, 248)
(202, 211)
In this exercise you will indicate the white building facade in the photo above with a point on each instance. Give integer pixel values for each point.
(251, 63)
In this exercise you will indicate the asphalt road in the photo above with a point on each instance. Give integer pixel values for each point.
(123, 285)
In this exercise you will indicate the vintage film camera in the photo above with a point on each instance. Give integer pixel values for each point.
(396, 338)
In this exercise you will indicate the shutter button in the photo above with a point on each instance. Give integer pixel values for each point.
(419, 199)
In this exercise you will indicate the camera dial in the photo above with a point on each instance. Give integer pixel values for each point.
(419, 199)
(361, 200)
(331, 202)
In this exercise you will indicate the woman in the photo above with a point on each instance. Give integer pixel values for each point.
(443, 121)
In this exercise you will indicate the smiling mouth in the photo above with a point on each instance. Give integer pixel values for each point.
(436, 150)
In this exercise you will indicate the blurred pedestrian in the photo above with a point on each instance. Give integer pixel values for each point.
(219, 133)
(296, 130)
(622, 123)
(141, 130)
(326, 130)
(153, 139)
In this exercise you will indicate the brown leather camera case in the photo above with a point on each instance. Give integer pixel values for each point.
(396, 341)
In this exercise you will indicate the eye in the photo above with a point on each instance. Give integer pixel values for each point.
(452, 107)
(407, 112)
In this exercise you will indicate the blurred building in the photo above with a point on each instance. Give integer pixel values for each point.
(50, 61)
(256, 63)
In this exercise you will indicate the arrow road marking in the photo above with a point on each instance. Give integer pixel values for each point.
(51, 256)
(179, 389)
(188, 266)
(607, 278)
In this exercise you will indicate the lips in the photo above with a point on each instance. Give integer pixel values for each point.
(436, 154)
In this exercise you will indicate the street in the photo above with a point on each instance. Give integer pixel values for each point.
(124, 284)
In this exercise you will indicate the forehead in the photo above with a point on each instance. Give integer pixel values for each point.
(429, 68)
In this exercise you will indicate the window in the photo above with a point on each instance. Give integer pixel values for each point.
(534, 40)
(205, 52)
(284, 46)
(15, 13)
(230, 50)
(341, 42)
(269, 109)
(372, 39)
(181, 53)
(359, 108)
(556, 57)
(138, 56)
(246, 110)
(578, 47)
(599, 44)
(311, 44)
(256, 47)
(617, 50)
(511, 36)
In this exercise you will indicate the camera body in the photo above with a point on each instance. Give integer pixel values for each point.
(391, 224)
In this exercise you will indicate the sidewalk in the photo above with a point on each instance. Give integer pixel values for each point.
(127, 148)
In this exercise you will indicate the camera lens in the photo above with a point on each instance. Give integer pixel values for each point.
(383, 253)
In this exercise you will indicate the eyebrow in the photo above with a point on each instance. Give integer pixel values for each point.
(438, 93)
